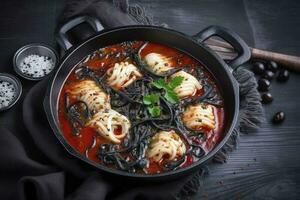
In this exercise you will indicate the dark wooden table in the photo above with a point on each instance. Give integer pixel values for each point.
(267, 162)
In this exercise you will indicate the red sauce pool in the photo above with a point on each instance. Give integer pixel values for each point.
(99, 63)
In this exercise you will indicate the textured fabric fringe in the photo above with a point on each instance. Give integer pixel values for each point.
(75, 8)
(191, 187)
(251, 111)
(136, 12)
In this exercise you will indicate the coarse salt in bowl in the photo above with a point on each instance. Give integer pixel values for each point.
(36, 66)
(10, 91)
(35, 61)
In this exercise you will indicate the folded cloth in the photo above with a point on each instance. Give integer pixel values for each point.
(58, 175)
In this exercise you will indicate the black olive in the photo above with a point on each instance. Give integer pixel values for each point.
(263, 85)
(258, 68)
(273, 66)
(268, 75)
(283, 75)
(266, 98)
(278, 117)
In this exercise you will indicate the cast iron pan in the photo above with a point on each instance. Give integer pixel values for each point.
(193, 46)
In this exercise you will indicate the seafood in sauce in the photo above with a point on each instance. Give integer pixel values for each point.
(141, 107)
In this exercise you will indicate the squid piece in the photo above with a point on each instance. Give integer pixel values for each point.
(90, 93)
(122, 75)
(111, 125)
(165, 145)
(158, 63)
(189, 86)
(199, 117)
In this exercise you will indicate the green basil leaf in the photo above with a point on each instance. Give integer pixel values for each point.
(174, 82)
(159, 84)
(171, 97)
(154, 111)
(150, 99)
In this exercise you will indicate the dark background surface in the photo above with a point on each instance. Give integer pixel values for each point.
(267, 162)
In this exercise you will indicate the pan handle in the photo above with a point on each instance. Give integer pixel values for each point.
(232, 38)
(77, 30)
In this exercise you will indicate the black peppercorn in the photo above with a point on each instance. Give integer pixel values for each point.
(263, 85)
(258, 68)
(283, 75)
(272, 66)
(278, 117)
(268, 75)
(266, 98)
